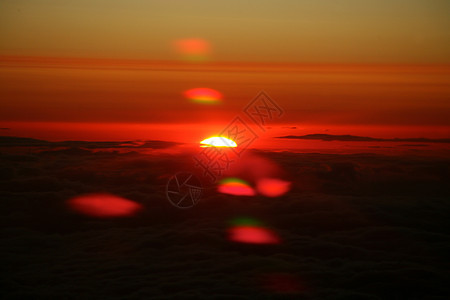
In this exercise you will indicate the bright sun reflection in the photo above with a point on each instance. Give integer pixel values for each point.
(218, 141)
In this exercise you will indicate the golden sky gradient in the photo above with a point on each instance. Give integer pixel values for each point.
(320, 31)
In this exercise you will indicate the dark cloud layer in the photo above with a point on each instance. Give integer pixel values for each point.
(354, 138)
(360, 226)
(12, 141)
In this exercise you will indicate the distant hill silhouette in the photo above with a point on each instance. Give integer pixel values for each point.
(354, 138)
(13, 141)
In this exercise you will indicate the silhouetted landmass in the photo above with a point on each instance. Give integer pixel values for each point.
(353, 138)
(12, 141)
(9, 141)
(414, 145)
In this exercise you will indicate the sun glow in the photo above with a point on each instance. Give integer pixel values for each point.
(218, 141)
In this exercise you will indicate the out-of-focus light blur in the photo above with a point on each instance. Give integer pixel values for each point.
(254, 167)
(262, 173)
(103, 205)
(235, 186)
(250, 231)
(272, 187)
(204, 95)
(252, 235)
(193, 49)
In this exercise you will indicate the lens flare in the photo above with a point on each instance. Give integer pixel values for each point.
(103, 205)
(254, 167)
(218, 141)
(193, 49)
(272, 187)
(252, 235)
(250, 231)
(235, 186)
(204, 95)
(245, 221)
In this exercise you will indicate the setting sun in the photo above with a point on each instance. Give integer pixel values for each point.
(225, 149)
(218, 141)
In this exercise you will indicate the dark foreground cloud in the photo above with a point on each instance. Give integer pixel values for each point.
(360, 226)
(354, 138)
(12, 141)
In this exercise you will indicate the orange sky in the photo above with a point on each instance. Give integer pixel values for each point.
(61, 99)
(329, 64)
(146, 92)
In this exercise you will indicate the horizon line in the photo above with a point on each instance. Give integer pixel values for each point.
(139, 64)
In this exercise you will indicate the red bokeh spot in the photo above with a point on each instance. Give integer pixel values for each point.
(252, 235)
(235, 186)
(253, 167)
(103, 205)
(272, 187)
(236, 190)
(193, 46)
(193, 49)
(204, 95)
